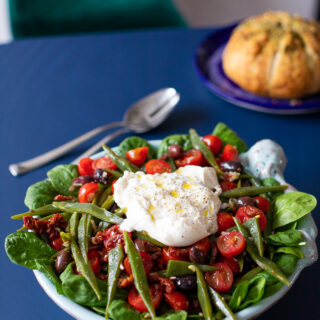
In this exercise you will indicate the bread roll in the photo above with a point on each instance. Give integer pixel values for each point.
(275, 55)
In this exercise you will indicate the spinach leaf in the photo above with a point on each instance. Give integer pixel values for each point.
(121, 310)
(173, 315)
(26, 249)
(49, 272)
(272, 289)
(286, 262)
(270, 279)
(271, 182)
(61, 178)
(255, 291)
(132, 143)
(286, 238)
(291, 250)
(291, 206)
(182, 140)
(228, 136)
(239, 295)
(40, 194)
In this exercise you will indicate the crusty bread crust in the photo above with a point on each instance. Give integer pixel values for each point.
(275, 55)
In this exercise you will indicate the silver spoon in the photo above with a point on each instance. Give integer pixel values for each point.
(142, 116)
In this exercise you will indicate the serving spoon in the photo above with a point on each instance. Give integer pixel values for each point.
(142, 116)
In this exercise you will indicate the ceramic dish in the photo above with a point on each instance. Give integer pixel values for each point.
(306, 225)
(208, 62)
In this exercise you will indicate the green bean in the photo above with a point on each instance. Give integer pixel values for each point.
(254, 181)
(253, 227)
(181, 268)
(143, 235)
(250, 191)
(107, 204)
(203, 294)
(139, 275)
(117, 174)
(92, 209)
(104, 196)
(269, 215)
(262, 262)
(122, 163)
(115, 257)
(43, 211)
(221, 304)
(204, 149)
(83, 236)
(84, 268)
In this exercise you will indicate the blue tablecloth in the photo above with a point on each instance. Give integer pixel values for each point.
(54, 89)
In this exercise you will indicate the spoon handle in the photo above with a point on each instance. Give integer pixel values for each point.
(31, 164)
(99, 144)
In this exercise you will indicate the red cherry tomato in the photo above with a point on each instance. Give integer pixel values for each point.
(263, 203)
(191, 157)
(244, 214)
(172, 253)
(177, 300)
(138, 156)
(93, 257)
(146, 260)
(225, 221)
(203, 245)
(220, 280)
(87, 192)
(113, 236)
(231, 243)
(233, 263)
(157, 166)
(112, 185)
(104, 163)
(213, 142)
(229, 153)
(135, 300)
(85, 167)
(57, 244)
(227, 185)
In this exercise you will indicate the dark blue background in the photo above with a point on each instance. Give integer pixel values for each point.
(52, 90)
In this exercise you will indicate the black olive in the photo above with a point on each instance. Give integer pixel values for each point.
(234, 166)
(62, 260)
(101, 176)
(80, 181)
(186, 283)
(175, 151)
(196, 255)
(246, 201)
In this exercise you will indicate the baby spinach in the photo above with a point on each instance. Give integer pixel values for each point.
(291, 206)
(61, 178)
(49, 272)
(291, 250)
(228, 136)
(182, 140)
(286, 262)
(255, 291)
(271, 182)
(28, 250)
(120, 310)
(239, 295)
(286, 238)
(271, 290)
(40, 194)
(173, 315)
(132, 143)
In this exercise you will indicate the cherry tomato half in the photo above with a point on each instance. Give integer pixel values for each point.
(146, 260)
(213, 142)
(87, 192)
(157, 166)
(104, 163)
(172, 253)
(137, 156)
(203, 245)
(93, 257)
(135, 300)
(244, 214)
(229, 153)
(57, 244)
(85, 167)
(233, 263)
(113, 236)
(227, 185)
(231, 243)
(191, 157)
(177, 300)
(220, 280)
(225, 221)
(263, 203)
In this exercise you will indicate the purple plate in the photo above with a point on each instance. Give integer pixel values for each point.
(208, 61)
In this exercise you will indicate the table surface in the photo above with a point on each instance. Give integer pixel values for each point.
(54, 89)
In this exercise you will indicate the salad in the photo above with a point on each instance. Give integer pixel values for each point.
(199, 228)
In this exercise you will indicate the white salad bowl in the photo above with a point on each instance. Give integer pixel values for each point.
(306, 226)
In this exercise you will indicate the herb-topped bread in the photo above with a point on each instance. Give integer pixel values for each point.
(275, 55)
